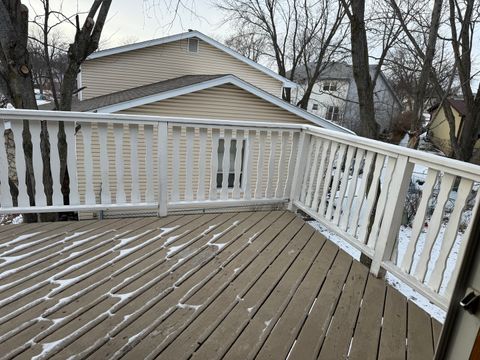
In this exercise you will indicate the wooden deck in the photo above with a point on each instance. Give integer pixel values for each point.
(259, 285)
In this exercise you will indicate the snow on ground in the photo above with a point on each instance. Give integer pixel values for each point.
(10, 219)
(406, 290)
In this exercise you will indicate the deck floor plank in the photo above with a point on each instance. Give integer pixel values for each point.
(436, 331)
(258, 311)
(367, 332)
(340, 332)
(199, 251)
(126, 297)
(313, 332)
(283, 335)
(216, 306)
(247, 285)
(419, 334)
(394, 329)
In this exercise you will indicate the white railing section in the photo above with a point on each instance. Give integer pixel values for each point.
(364, 190)
(406, 210)
(125, 162)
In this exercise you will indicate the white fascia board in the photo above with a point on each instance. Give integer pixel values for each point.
(221, 81)
(140, 45)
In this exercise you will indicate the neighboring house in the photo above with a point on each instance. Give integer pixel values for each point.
(439, 129)
(188, 75)
(334, 96)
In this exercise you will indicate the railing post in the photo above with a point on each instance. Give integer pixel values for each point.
(300, 164)
(162, 143)
(392, 218)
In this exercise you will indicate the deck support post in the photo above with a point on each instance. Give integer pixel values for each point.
(162, 143)
(300, 165)
(392, 218)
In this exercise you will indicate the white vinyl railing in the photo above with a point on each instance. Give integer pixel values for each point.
(363, 190)
(122, 162)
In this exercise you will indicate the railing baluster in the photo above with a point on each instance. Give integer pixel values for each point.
(308, 169)
(57, 197)
(392, 218)
(238, 164)
(352, 188)
(313, 172)
(5, 197)
(35, 130)
(189, 165)
(74, 197)
(419, 220)
(336, 180)
(362, 193)
(88, 163)
(119, 164)
(462, 248)
(382, 202)
(450, 234)
(434, 228)
(292, 163)
(135, 195)
(149, 166)
(343, 184)
(260, 165)
(279, 192)
(269, 192)
(321, 175)
(214, 164)
(328, 178)
(227, 140)
(106, 197)
(247, 195)
(162, 144)
(300, 165)
(176, 132)
(202, 157)
(371, 197)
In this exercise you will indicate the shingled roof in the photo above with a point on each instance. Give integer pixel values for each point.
(135, 93)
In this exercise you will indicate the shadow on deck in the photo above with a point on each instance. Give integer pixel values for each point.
(233, 285)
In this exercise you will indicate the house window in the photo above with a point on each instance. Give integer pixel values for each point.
(232, 153)
(315, 107)
(333, 113)
(330, 86)
(193, 45)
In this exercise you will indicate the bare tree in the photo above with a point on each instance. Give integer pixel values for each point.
(248, 43)
(295, 32)
(355, 10)
(16, 80)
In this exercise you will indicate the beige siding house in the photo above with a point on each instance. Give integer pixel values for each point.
(439, 129)
(182, 76)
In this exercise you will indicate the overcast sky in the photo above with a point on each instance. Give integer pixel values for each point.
(137, 20)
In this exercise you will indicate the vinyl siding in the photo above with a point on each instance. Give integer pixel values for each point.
(226, 102)
(123, 71)
(223, 102)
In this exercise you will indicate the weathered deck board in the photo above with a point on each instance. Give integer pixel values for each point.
(259, 285)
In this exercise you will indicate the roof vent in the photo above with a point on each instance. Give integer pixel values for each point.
(192, 45)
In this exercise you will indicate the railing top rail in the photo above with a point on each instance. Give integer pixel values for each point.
(70, 116)
(452, 166)
(456, 167)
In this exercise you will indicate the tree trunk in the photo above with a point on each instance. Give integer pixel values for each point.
(361, 70)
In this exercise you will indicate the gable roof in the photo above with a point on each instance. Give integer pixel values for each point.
(187, 84)
(187, 35)
(340, 70)
(457, 104)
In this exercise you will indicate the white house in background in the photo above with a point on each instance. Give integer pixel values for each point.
(334, 96)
